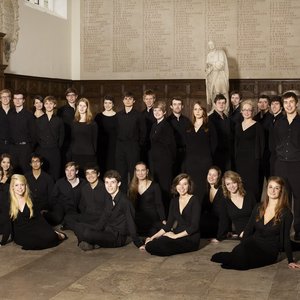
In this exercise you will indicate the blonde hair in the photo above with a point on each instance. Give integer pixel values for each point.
(14, 204)
(251, 103)
(89, 115)
(236, 178)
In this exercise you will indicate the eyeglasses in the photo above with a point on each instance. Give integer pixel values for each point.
(247, 110)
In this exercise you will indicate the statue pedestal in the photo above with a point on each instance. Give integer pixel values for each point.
(2, 66)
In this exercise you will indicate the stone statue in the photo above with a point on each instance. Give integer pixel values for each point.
(217, 75)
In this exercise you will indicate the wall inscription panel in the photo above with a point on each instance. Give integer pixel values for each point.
(167, 39)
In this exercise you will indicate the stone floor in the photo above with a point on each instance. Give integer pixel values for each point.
(66, 272)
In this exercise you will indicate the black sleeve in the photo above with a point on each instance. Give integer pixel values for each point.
(213, 137)
(61, 134)
(195, 217)
(249, 229)
(142, 129)
(224, 222)
(94, 135)
(171, 216)
(158, 202)
(287, 220)
(260, 141)
(50, 187)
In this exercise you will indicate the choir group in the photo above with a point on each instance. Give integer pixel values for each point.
(160, 181)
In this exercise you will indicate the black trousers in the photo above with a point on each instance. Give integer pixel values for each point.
(55, 215)
(21, 157)
(290, 172)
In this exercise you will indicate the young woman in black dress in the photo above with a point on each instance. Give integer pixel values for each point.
(107, 131)
(212, 204)
(201, 142)
(236, 208)
(84, 135)
(146, 197)
(38, 106)
(266, 234)
(5, 163)
(249, 148)
(30, 230)
(181, 233)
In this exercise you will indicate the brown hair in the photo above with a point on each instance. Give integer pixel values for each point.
(89, 115)
(219, 176)
(72, 164)
(112, 174)
(176, 181)
(10, 169)
(205, 116)
(236, 178)
(160, 104)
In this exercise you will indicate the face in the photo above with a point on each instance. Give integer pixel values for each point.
(141, 172)
(82, 107)
(212, 176)
(108, 105)
(235, 99)
(290, 105)
(211, 45)
(49, 106)
(263, 104)
(5, 98)
(149, 100)
(198, 111)
(247, 110)
(176, 106)
(5, 163)
(275, 107)
(128, 101)
(91, 176)
(273, 190)
(231, 186)
(38, 104)
(71, 98)
(19, 188)
(71, 172)
(36, 163)
(220, 105)
(18, 100)
(112, 185)
(158, 113)
(182, 187)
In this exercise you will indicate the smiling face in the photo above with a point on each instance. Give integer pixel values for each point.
(141, 172)
(182, 187)
(71, 98)
(19, 188)
(273, 190)
(91, 176)
(247, 111)
(82, 107)
(235, 100)
(112, 186)
(49, 106)
(198, 111)
(5, 164)
(158, 113)
(212, 176)
(275, 107)
(5, 98)
(108, 105)
(263, 104)
(290, 105)
(36, 164)
(231, 186)
(38, 104)
(149, 100)
(71, 173)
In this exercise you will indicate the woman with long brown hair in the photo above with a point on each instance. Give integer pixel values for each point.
(6, 164)
(266, 234)
(201, 142)
(146, 197)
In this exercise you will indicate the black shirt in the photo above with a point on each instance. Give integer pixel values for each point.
(67, 113)
(50, 133)
(131, 127)
(4, 128)
(287, 139)
(41, 190)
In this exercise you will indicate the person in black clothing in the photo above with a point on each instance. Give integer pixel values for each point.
(277, 113)
(265, 118)
(5, 163)
(40, 183)
(185, 211)
(116, 222)
(30, 230)
(212, 204)
(149, 98)
(50, 137)
(65, 195)
(131, 136)
(84, 135)
(107, 131)
(236, 208)
(222, 155)
(5, 223)
(235, 108)
(287, 145)
(180, 125)
(145, 194)
(22, 134)
(66, 113)
(91, 204)
(5, 96)
(249, 149)
(38, 105)
(201, 143)
(162, 151)
(266, 234)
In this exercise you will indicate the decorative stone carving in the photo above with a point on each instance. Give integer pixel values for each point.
(9, 17)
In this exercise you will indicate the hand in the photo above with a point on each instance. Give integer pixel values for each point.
(214, 241)
(241, 234)
(294, 266)
(148, 239)
(164, 222)
(142, 248)
(171, 235)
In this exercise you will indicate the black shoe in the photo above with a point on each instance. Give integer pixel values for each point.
(297, 236)
(85, 246)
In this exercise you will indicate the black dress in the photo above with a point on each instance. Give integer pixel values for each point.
(107, 134)
(5, 223)
(149, 211)
(249, 148)
(239, 217)
(261, 243)
(210, 214)
(33, 233)
(200, 147)
(178, 222)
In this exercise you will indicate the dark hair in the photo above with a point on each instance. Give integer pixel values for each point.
(236, 92)
(39, 97)
(290, 95)
(128, 94)
(19, 92)
(176, 181)
(205, 117)
(112, 174)
(71, 90)
(219, 176)
(10, 170)
(72, 164)
(1, 173)
(263, 96)
(220, 97)
(177, 98)
(276, 99)
(91, 166)
(110, 98)
(149, 93)
(36, 155)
